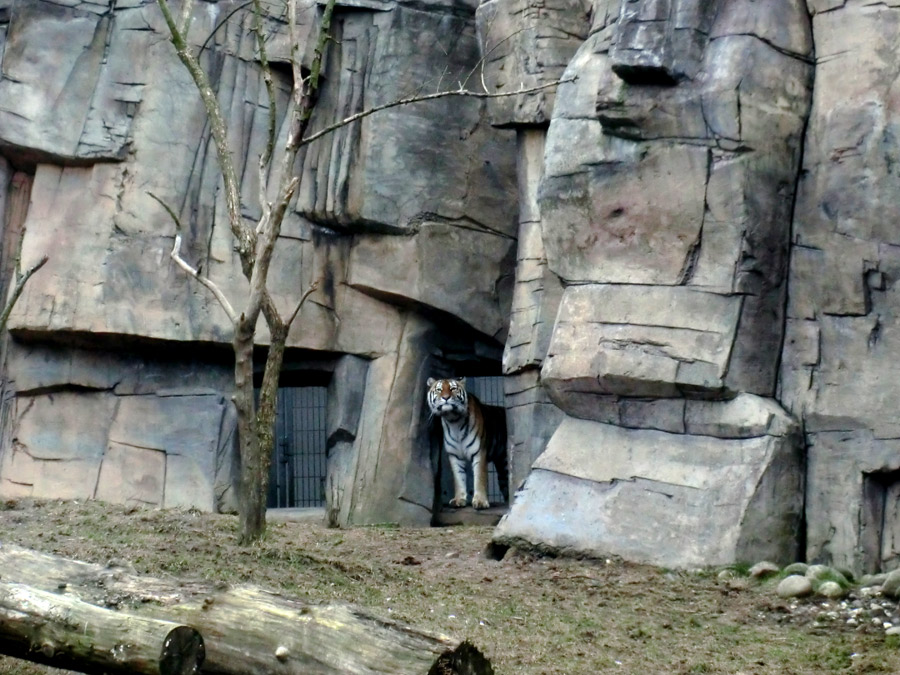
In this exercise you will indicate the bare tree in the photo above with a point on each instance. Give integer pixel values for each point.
(255, 246)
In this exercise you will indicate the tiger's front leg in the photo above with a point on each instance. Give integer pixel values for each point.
(458, 467)
(480, 480)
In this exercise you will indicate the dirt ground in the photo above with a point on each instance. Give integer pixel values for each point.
(529, 614)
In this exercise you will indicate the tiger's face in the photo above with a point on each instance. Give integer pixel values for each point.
(448, 397)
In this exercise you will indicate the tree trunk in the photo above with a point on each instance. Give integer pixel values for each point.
(64, 632)
(251, 498)
(247, 630)
(267, 410)
(256, 424)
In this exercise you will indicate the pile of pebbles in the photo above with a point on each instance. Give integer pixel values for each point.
(825, 596)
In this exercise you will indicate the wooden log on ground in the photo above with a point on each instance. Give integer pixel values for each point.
(64, 632)
(248, 630)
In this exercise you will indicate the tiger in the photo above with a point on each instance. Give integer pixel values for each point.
(473, 433)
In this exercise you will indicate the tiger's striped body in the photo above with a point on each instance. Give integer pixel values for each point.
(474, 433)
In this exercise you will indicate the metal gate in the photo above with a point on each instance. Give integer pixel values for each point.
(488, 390)
(297, 474)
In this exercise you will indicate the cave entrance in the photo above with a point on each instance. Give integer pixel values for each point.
(489, 390)
(297, 472)
(880, 531)
(298, 466)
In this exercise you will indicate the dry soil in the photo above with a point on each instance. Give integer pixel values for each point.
(529, 614)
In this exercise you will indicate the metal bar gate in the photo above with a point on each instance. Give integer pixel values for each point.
(297, 474)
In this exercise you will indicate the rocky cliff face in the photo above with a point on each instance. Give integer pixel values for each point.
(407, 219)
(838, 363)
(684, 252)
(710, 200)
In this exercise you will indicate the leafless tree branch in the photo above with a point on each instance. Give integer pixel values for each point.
(208, 283)
(21, 280)
(428, 97)
(267, 79)
(172, 214)
(187, 9)
(245, 236)
(309, 291)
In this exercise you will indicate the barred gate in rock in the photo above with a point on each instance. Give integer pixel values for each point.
(489, 390)
(297, 474)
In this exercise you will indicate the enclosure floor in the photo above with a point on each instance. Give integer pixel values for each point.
(469, 516)
(315, 514)
(447, 516)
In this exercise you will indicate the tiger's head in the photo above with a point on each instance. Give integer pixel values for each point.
(448, 397)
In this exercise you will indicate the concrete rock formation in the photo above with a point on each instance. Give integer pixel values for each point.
(711, 201)
(118, 374)
(682, 258)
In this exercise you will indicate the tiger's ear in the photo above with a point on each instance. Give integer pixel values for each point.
(430, 382)
(461, 380)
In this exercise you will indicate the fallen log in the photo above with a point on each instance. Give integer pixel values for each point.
(64, 632)
(248, 630)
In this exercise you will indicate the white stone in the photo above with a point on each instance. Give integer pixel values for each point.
(794, 586)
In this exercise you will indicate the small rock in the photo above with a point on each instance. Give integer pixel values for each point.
(869, 580)
(894, 630)
(726, 574)
(764, 569)
(813, 571)
(891, 585)
(796, 568)
(739, 584)
(794, 586)
(846, 572)
(826, 573)
(831, 589)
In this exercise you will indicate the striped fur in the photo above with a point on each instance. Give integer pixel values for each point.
(474, 433)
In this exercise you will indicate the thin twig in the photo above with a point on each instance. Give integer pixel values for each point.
(428, 97)
(168, 209)
(309, 291)
(210, 285)
(183, 264)
(222, 23)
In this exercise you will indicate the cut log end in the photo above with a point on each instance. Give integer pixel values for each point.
(63, 631)
(466, 659)
(182, 652)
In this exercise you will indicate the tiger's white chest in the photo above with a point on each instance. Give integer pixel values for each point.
(461, 438)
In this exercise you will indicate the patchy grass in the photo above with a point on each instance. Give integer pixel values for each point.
(530, 615)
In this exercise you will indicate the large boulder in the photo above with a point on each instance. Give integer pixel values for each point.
(673, 499)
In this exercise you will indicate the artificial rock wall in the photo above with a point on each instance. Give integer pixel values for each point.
(118, 370)
(703, 322)
(686, 254)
